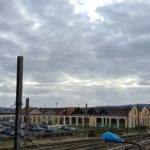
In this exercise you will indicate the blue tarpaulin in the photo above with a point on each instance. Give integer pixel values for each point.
(111, 137)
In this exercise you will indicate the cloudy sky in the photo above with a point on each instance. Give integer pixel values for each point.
(76, 51)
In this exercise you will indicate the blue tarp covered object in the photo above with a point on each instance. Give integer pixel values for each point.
(111, 137)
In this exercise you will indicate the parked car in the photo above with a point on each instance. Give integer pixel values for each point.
(36, 128)
(2, 130)
(10, 132)
(67, 128)
(50, 130)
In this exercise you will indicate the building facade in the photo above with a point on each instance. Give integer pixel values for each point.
(110, 116)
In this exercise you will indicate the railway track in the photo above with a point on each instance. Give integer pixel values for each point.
(90, 144)
(95, 144)
(75, 145)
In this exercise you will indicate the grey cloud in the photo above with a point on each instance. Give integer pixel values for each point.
(128, 17)
(123, 38)
(68, 43)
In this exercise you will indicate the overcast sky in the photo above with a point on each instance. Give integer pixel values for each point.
(76, 51)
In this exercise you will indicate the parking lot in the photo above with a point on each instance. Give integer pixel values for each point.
(7, 130)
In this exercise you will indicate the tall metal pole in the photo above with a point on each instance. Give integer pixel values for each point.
(85, 122)
(26, 120)
(138, 108)
(128, 119)
(18, 102)
(56, 114)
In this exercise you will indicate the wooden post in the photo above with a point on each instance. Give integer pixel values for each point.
(18, 102)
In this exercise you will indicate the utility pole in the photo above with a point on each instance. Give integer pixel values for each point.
(26, 120)
(138, 108)
(56, 114)
(85, 122)
(18, 102)
(128, 119)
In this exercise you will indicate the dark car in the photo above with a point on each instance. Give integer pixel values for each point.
(2, 130)
(10, 132)
(67, 128)
(36, 128)
(49, 130)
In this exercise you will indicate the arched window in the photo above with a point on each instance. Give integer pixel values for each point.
(73, 120)
(122, 123)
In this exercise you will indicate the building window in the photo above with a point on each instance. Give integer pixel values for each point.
(135, 112)
(39, 119)
(34, 119)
